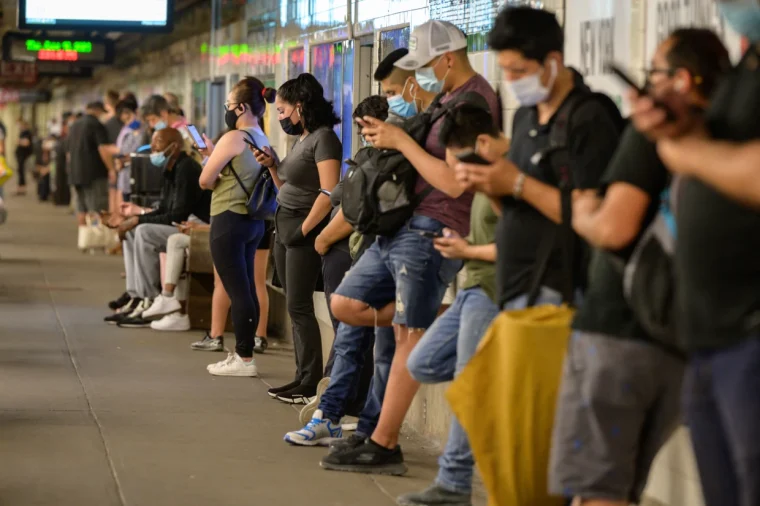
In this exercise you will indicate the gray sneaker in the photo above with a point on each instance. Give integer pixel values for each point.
(208, 343)
(435, 495)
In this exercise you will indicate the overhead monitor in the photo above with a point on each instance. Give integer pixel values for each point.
(99, 15)
(83, 50)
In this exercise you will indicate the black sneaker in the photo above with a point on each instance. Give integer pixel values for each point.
(435, 495)
(301, 394)
(136, 322)
(348, 443)
(261, 344)
(119, 303)
(284, 388)
(369, 458)
(125, 312)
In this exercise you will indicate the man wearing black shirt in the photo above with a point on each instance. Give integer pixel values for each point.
(619, 401)
(718, 269)
(24, 150)
(145, 232)
(530, 44)
(89, 166)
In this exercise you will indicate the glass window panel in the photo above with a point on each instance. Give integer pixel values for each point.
(391, 40)
(296, 62)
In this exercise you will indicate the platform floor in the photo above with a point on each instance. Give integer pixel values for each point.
(94, 415)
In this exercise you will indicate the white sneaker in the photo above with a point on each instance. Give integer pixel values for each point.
(173, 322)
(235, 366)
(230, 357)
(162, 306)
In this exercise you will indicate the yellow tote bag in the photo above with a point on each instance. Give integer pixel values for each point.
(5, 171)
(505, 399)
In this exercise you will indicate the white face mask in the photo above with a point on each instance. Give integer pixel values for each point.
(529, 91)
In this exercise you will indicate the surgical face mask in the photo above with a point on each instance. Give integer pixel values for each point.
(743, 16)
(160, 125)
(529, 91)
(400, 107)
(159, 159)
(291, 128)
(428, 81)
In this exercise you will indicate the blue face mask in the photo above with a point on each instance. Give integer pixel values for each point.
(400, 107)
(744, 17)
(135, 124)
(159, 159)
(160, 125)
(427, 79)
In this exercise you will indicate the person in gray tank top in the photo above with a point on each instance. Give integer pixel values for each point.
(234, 235)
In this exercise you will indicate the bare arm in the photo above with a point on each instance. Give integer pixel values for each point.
(329, 172)
(337, 230)
(434, 170)
(614, 222)
(229, 146)
(106, 157)
(698, 157)
(484, 252)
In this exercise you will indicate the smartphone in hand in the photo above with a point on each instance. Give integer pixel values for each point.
(197, 138)
(618, 71)
(470, 156)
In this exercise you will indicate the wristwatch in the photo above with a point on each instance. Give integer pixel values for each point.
(518, 188)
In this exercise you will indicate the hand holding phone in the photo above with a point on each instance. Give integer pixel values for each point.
(470, 156)
(623, 76)
(197, 138)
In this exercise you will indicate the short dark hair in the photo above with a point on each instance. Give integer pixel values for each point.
(316, 110)
(155, 105)
(702, 54)
(464, 124)
(385, 68)
(374, 106)
(95, 106)
(127, 104)
(532, 32)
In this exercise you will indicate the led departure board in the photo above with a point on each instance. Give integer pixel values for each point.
(98, 15)
(25, 48)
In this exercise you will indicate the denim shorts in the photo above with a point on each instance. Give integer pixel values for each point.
(405, 268)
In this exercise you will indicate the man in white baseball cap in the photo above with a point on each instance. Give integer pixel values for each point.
(437, 54)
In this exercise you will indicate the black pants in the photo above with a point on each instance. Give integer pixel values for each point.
(298, 268)
(43, 188)
(21, 173)
(62, 194)
(233, 241)
(335, 264)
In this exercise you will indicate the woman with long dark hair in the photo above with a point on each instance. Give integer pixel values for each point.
(312, 164)
(234, 236)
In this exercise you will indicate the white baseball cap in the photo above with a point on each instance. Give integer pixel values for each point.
(429, 40)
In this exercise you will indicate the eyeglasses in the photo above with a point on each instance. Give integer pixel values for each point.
(229, 105)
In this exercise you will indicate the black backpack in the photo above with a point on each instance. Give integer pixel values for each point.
(378, 189)
(556, 161)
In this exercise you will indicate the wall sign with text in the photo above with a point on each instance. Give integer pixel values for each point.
(27, 48)
(596, 33)
(663, 16)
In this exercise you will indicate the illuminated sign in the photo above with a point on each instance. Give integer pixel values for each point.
(23, 48)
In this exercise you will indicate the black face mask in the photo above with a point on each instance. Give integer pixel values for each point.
(289, 127)
(230, 119)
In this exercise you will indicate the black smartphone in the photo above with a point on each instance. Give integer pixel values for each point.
(623, 76)
(429, 233)
(197, 138)
(470, 156)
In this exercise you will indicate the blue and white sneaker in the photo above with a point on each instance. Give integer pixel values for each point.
(318, 432)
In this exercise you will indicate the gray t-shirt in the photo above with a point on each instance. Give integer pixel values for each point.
(298, 170)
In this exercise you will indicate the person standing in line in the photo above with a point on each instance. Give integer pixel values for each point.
(313, 164)
(24, 150)
(234, 234)
(113, 125)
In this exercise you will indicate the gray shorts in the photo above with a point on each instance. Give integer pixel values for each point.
(93, 197)
(618, 404)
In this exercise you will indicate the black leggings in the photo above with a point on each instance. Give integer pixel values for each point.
(233, 240)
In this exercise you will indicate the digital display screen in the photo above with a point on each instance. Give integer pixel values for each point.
(26, 48)
(135, 15)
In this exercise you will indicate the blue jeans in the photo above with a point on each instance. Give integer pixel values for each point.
(407, 268)
(349, 351)
(385, 348)
(441, 354)
(721, 399)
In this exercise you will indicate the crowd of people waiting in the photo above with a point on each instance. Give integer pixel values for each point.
(499, 207)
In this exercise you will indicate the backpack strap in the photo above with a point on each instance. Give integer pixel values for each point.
(234, 173)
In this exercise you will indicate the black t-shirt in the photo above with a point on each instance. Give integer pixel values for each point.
(593, 137)
(336, 196)
(113, 127)
(717, 257)
(85, 135)
(604, 307)
(22, 151)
